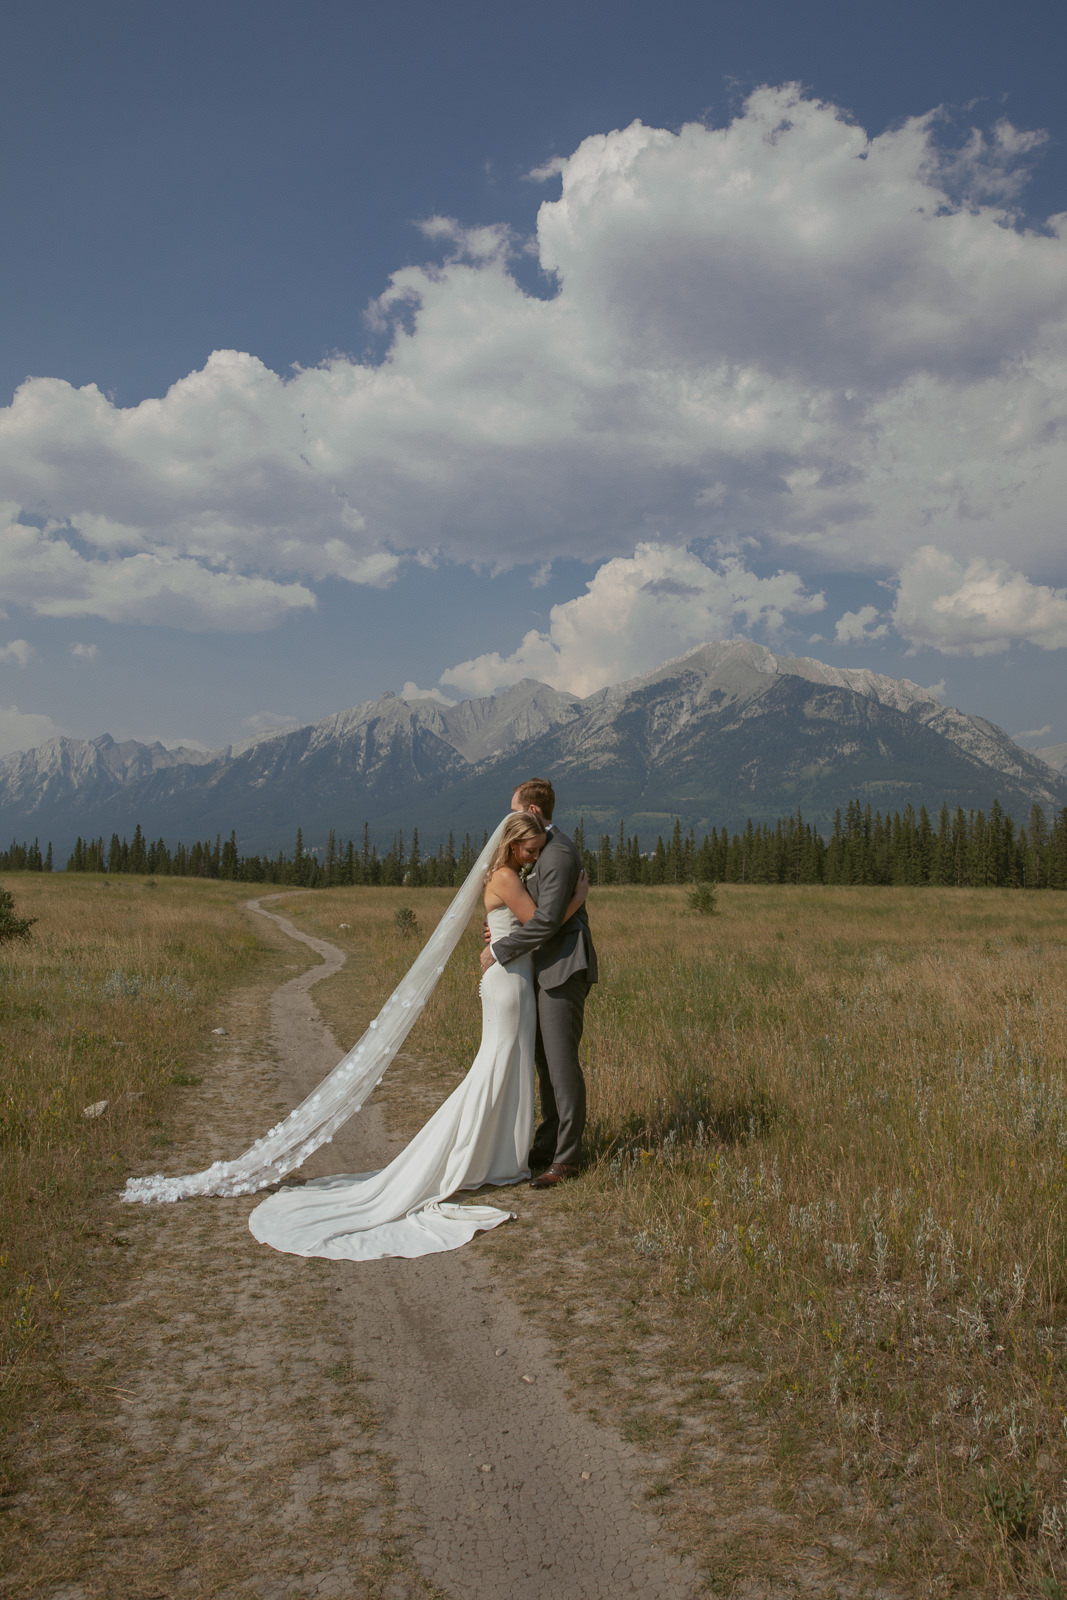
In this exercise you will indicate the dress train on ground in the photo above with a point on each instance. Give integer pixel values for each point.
(480, 1135)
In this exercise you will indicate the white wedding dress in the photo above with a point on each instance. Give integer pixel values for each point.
(480, 1135)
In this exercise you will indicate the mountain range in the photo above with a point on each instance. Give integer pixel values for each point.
(726, 732)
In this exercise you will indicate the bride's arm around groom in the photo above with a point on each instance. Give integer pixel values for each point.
(560, 947)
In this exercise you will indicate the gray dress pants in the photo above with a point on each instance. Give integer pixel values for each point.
(560, 1019)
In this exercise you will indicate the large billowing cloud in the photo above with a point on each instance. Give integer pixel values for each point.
(43, 570)
(840, 347)
(636, 613)
(21, 730)
(979, 609)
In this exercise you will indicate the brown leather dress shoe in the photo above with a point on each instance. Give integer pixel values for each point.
(558, 1172)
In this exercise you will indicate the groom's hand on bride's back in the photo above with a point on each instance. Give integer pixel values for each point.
(486, 935)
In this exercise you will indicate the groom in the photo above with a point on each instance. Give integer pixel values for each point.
(564, 970)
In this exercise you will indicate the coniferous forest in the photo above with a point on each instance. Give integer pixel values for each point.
(971, 849)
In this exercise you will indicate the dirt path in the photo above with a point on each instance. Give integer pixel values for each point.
(511, 1488)
(247, 1425)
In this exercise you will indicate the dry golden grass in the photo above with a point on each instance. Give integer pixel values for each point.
(184, 1416)
(816, 1266)
(108, 1000)
(831, 1132)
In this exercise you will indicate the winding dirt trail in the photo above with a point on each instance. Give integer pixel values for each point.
(505, 1489)
(237, 1424)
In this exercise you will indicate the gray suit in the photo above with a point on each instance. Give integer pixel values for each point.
(565, 967)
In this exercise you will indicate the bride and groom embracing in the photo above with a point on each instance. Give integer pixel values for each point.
(543, 920)
(538, 966)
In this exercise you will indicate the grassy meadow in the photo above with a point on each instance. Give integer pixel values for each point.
(108, 1000)
(827, 1149)
(829, 1132)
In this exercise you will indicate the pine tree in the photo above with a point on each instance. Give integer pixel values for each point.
(12, 926)
(941, 870)
(138, 857)
(230, 859)
(704, 862)
(413, 869)
(673, 870)
(1056, 852)
(392, 862)
(621, 863)
(1034, 871)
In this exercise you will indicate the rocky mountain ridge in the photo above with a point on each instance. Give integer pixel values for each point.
(1055, 755)
(726, 731)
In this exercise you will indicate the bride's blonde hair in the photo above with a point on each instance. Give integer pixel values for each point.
(520, 825)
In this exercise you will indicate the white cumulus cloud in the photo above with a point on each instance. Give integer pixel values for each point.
(853, 627)
(18, 650)
(978, 609)
(44, 571)
(25, 730)
(842, 347)
(84, 652)
(636, 612)
(412, 692)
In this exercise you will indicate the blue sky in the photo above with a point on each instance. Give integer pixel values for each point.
(548, 344)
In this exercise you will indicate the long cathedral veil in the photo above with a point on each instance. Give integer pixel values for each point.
(343, 1091)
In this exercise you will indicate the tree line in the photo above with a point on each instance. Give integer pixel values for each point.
(339, 863)
(965, 849)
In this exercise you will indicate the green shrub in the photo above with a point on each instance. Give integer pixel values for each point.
(702, 899)
(12, 926)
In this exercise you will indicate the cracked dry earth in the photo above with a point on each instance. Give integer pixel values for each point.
(250, 1424)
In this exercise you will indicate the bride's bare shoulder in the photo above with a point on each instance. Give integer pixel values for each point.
(497, 886)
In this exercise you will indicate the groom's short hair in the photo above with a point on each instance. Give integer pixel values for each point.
(537, 792)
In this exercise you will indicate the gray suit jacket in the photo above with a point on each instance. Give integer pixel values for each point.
(560, 949)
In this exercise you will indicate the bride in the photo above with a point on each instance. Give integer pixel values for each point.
(480, 1135)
